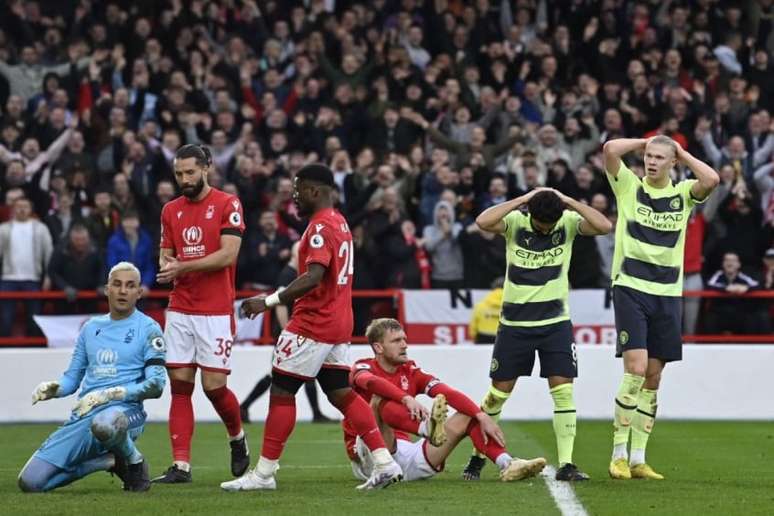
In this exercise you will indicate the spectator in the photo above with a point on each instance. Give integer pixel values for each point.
(735, 314)
(692, 267)
(63, 218)
(266, 253)
(76, 265)
(442, 244)
(131, 243)
(25, 245)
(103, 219)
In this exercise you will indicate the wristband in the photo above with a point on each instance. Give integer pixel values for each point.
(272, 300)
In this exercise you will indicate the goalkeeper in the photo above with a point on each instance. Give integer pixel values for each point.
(118, 362)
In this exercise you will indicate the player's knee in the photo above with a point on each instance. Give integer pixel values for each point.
(652, 380)
(637, 368)
(30, 481)
(108, 424)
(212, 380)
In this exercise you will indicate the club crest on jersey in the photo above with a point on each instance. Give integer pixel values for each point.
(106, 363)
(316, 241)
(192, 236)
(210, 211)
(404, 383)
(129, 336)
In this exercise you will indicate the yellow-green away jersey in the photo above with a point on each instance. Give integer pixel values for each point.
(650, 233)
(536, 286)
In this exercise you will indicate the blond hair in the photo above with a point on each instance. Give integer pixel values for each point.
(664, 140)
(124, 266)
(379, 328)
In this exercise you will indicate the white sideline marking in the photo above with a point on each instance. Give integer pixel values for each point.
(563, 494)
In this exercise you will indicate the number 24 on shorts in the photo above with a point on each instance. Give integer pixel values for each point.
(224, 347)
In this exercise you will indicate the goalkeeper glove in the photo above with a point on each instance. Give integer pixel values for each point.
(96, 398)
(44, 391)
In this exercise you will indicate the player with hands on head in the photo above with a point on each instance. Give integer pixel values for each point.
(535, 315)
(118, 362)
(315, 343)
(647, 273)
(390, 380)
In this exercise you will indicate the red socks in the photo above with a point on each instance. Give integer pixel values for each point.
(181, 420)
(279, 425)
(227, 407)
(349, 439)
(396, 415)
(361, 419)
(492, 449)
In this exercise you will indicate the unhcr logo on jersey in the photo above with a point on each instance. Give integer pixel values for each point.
(106, 363)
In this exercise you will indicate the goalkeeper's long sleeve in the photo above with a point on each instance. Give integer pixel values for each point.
(457, 400)
(151, 387)
(379, 386)
(72, 377)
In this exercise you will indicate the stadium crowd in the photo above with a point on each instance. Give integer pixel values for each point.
(427, 111)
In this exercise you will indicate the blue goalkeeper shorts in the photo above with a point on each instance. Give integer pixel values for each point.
(73, 443)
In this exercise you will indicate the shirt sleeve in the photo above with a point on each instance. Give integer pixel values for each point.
(320, 249)
(512, 222)
(685, 191)
(154, 353)
(75, 372)
(166, 231)
(624, 181)
(572, 221)
(424, 381)
(232, 221)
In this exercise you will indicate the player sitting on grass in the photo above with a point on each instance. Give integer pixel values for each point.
(118, 362)
(390, 381)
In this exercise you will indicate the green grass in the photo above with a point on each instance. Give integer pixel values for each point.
(711, 468)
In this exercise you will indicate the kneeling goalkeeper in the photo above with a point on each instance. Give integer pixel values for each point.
(118, 362)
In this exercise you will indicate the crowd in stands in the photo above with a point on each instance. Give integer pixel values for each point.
(428, 111)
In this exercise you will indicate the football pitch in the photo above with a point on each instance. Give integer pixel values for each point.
(711, 468)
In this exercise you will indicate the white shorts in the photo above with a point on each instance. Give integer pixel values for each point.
(410, 456)
(303, 357)
(199, 340)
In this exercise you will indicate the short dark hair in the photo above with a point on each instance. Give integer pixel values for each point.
(317, 173)
(200, 153)
(546, 207)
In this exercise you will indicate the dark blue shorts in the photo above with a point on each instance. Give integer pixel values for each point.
(645, 321)
(515, 347)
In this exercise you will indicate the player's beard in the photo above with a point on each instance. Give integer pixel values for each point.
(193, 191)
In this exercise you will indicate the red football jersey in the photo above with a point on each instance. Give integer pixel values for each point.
(192, 230)
(408, 377)
(325, 312)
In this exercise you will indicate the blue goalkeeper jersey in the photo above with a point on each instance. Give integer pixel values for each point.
(117, 353)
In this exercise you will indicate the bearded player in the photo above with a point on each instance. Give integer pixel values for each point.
(391, 381)
(315, 343)
(201, 232)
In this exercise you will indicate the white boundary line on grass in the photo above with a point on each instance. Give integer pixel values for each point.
(563, 494)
